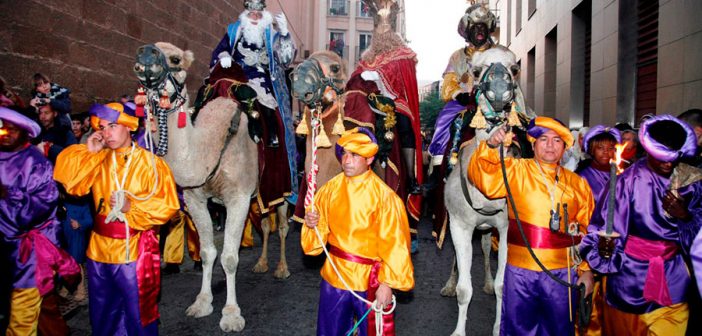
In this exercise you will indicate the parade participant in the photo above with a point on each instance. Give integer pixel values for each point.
(657, 212)
(533, 303)
(133, 191)
(599, 143)
(475, 27)
(365, 226)
(28, 224)
(263, 54)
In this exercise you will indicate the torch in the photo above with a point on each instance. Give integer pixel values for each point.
(607, 237)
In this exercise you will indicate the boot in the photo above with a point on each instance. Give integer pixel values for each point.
(272, 127)
(170, 269)
(197, 266)
(434, 178)
(408, 154)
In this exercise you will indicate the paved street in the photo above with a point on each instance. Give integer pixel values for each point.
(289, 307)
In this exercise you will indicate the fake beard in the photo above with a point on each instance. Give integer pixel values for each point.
(253, 33)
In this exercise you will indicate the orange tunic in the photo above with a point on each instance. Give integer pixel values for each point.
(531, 195)
(81, 172)
(361, 215)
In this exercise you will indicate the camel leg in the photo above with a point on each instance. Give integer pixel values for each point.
(486, 245)
(237, 208)
(262, 263)
(500, 276)
(462, 232)
(281, 271)
(197, 204)
(449, 289)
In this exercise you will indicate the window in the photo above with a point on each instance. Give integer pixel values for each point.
(337, 42)
(338, 7)
(364, 41)
(531, 8)
(518, 14)
(363, 10)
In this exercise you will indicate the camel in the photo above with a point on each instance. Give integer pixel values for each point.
(317, 82)
(210, 157)
(495, 70)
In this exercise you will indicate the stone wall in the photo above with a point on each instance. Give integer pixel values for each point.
(89, 45)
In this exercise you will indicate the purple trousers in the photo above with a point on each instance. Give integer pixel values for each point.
(114, 300)
(338, 310)
(534, 304)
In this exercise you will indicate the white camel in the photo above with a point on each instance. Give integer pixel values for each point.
(468, 208)
(215, 157)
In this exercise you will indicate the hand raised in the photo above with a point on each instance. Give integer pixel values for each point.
(96, 142)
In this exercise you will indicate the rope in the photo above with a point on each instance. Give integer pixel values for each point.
(316, 123)
(120, 194)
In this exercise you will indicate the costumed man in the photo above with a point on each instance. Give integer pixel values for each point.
(657, 213)
(180, 230)
(133, 191)
(264, 54)
(364, 224)
(382, 94)
(476, 26)
(599, 143)
(533, 303)
(28, 224)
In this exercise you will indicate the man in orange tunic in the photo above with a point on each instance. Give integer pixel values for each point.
(365, 226)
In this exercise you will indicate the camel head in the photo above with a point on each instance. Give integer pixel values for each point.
(495, 71)
(154, 63)
(319, 79)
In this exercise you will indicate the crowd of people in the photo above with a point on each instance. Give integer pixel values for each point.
(81, 202)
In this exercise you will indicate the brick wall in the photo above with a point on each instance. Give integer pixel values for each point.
(89, 46)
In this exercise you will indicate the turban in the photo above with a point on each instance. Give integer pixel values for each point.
(597, 130)
(359, 140)
(667, 138)
(114, 113)
(30, 126)
(539, 125)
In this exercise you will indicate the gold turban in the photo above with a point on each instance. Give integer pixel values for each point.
(540, 125)
(358, 141)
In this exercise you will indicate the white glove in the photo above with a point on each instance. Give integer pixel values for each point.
(282, 24)
(225, 62)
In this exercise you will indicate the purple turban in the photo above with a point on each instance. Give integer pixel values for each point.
(597, 130)
(30, 126)
(683, 141)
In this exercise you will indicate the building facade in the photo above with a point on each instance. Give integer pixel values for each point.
(591, 62)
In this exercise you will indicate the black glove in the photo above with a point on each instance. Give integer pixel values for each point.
(464, 98)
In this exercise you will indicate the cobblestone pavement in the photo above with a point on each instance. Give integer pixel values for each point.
(289, 307)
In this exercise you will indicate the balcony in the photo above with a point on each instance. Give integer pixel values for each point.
(338, 8)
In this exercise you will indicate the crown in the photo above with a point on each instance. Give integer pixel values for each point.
(258, 5)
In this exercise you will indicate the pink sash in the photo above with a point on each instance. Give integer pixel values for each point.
(656, 252)
(373, 284)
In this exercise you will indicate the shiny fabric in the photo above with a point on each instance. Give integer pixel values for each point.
(338, 310)
(666, 321)
(696, 256)
(532, 200)
(638, 211)
(373, 285)
(178, 227)
(24, 312)
(353, 212)
(30, 205)
(656, 252)
(21, 121)
(114, 300)
(442, 130)
(357, 142)
(534, 304)
(661, 151)
(81, 172)
(597, 179)
(148, 271)
(114, 113)
(539, 125)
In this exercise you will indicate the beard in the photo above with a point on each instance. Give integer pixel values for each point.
(254, 33)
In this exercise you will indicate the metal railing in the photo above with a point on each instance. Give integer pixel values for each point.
(362, 10)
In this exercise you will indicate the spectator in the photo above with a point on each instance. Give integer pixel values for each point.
(693, 117)
(8, 98)
(47, 93)
(76, 227)
(77, 125)
(54, 136)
